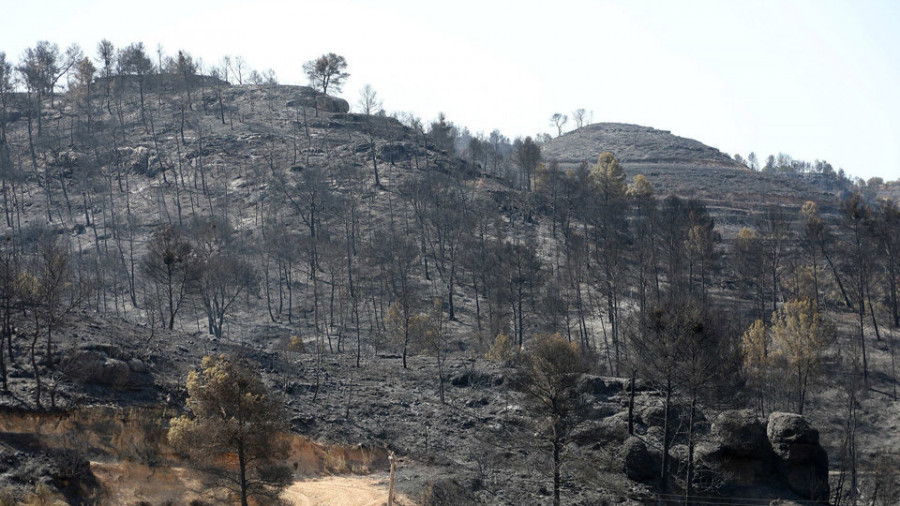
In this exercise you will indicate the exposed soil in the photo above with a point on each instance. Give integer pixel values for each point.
(341, 490)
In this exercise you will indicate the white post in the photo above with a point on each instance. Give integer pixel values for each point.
(391, 486)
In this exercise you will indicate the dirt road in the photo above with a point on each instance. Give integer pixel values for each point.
(344, 491)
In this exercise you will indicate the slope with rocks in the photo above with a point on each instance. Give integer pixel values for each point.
(279, 174)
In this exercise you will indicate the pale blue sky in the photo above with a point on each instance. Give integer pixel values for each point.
(814, 79)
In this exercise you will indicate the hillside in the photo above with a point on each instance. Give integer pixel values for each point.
(393, 293)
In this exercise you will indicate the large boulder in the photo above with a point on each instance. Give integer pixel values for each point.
(800, 459)
(651, 413)
(741, 433)
(605, 431)
(327, 103)
(93, 366)
(112, 372)
(476, 379)
(739, 449)
(637, 461)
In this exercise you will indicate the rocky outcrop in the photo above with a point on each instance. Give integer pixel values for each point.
(326, 103)
(476, 379)
(94, 365)
(800, 460)
(737, 452)
(784, 449)
(308, 97)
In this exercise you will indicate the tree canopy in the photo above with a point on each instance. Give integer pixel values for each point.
(327, 71)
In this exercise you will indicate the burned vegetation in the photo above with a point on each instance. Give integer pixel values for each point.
(525, 321)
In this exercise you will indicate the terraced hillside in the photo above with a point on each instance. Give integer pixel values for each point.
(688, 168)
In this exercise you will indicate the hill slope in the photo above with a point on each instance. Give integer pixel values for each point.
(281, 182)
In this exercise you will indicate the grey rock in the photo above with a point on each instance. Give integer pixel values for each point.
(327, 103)
(787, 429)
(114, 373)
(637, 462)
(741, 433)
(800, 460)
(137, 366)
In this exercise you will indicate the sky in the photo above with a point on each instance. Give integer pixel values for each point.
(815, 79)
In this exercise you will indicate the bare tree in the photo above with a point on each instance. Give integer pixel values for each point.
(369, 103)
(238, 67)
(886, 231)
(775, 227)
(220, 281)
(133, 60)
(548, 373)
(659, 342)
(578, 115)
(612, 235)
(559, 120)
(528, 156)
(858, 262)
(800, 336)
(400, 256)
(49, 291)
(10, 299)
(170, 266)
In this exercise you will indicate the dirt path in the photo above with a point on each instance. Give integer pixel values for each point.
(344, 491)
(129, 483)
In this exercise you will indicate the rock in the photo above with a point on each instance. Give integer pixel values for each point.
(476, 379)
(140, 159)
(95, 367)
(636, 460)
(598, 385)
(609, 430)
(654, 433)
(652, 414)
(114, 373)
(396, 152)
(800, 460)
(105, 349)
(327, 103)
(741, 433)
(739, 449)
(787, 429)
(680, 454)
(590, 384)
(137, 366)
(593, 409)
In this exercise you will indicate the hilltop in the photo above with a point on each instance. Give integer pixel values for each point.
(634, 144)
(688, 168)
